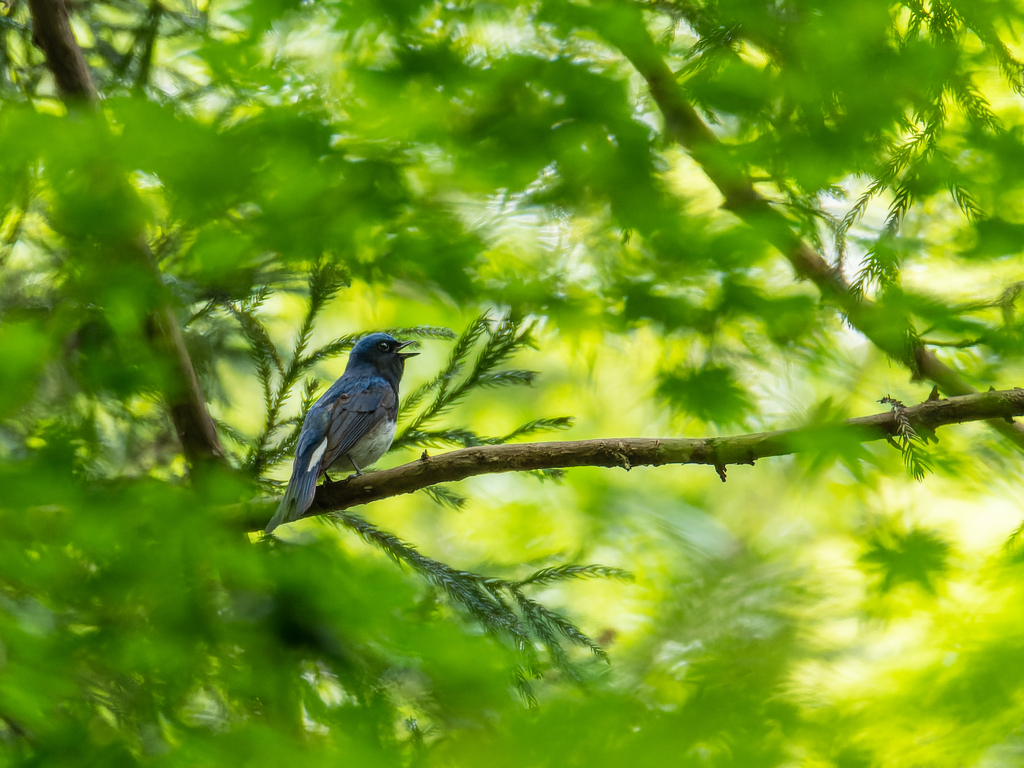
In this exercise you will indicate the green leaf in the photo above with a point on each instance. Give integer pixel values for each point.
(906, 556)
(710, 393)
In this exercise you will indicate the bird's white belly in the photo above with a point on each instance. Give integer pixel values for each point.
(371, 446)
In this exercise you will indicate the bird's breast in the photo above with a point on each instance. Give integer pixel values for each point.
(374, 443)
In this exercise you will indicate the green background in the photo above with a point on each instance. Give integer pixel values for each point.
(342, 167)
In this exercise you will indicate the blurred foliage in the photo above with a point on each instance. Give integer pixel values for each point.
(911, 556)
(495, 180)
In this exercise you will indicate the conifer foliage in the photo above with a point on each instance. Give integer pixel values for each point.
(599, 220)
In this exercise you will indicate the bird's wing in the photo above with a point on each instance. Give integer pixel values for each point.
(331, 428)
(353, 414)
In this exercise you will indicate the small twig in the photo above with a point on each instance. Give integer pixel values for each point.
(955, 344)
(906, 439)
(147, 40)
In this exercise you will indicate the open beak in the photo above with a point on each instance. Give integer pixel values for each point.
(402, 346)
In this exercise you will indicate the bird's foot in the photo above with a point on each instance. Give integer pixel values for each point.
(355, 466)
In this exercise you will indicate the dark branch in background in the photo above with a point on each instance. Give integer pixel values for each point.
(148, 43)
(51, 32)
(897, 424)
(192, 422)
(622, 25)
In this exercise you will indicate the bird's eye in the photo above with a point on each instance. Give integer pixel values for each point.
(383, 346)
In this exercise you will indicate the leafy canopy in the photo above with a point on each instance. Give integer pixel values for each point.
(574, 243)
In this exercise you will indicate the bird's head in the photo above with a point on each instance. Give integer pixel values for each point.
(383, 353)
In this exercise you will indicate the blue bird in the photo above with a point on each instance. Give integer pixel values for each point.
(353, 421)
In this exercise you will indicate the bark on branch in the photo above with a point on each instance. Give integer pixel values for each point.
(629, 452)
(52, 33)
(622, 25)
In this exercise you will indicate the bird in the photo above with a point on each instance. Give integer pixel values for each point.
(353, 422)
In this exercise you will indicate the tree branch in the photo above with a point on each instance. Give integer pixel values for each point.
(629, 452)
(622, 25)
(192, 420)
(51, 31)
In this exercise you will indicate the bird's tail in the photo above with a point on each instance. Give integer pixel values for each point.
(297, 497)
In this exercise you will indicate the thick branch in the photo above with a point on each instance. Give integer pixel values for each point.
(623, 26)
(629, 452)
(51, 31)
(192, 421)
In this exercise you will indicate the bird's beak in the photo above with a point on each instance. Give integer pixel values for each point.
(402, 346)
